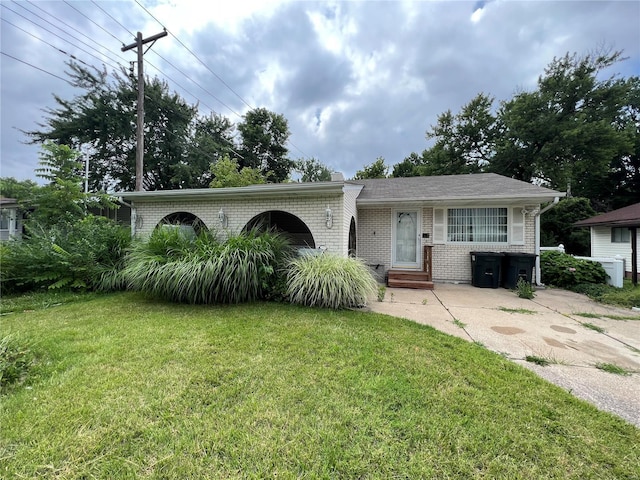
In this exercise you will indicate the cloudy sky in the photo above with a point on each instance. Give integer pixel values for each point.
(355, 80)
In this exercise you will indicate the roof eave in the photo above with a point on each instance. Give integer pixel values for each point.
(462, 200)
(263, 190)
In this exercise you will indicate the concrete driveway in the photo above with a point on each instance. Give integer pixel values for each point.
(568, 330)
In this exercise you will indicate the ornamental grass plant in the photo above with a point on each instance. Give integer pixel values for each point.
(329, 281)
(206, 269)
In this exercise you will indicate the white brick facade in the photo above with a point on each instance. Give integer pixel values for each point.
(311, 210)
(451, 261)
(373, 215)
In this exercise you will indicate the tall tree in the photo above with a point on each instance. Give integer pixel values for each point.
(62, 199)
(312, 170)
(564, 133)
(211, 142)
(264, 135)
(377, 169)
(102, 119)
(227, 173)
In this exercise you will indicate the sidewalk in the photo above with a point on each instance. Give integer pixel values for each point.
(547, 327)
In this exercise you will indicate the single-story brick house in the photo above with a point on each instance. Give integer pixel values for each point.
(616, 234)
(390, 223)
(10, 219)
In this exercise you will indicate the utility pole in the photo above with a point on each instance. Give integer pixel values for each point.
(140, 124)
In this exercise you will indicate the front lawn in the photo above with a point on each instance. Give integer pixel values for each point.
(126, 387)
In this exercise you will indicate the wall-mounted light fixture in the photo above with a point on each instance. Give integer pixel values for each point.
(222, 218)
(328, 214)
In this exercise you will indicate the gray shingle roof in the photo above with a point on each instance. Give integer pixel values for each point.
(627, 216)
(480, 186)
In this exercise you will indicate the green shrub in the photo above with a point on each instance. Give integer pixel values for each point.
(205, 270)
(524, 289)
(16, 358)
(87, 255)
(329, 281)
(565, 271)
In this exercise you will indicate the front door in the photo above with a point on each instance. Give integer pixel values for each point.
(406, 239)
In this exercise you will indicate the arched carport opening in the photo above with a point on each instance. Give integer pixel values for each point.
(283, 222)
(187, 222)
(352, 238)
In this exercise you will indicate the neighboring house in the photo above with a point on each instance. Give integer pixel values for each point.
(616, 233)
(392, 223)
(10, 219)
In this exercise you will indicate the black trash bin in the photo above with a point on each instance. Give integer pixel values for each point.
(486, 268)
(517, 266)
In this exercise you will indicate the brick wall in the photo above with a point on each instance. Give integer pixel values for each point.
(451, 261)
(311, 210)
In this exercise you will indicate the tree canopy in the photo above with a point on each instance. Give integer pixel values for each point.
(180, 144)
(577, 131)
(377, 169)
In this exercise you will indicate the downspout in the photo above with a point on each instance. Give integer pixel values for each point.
(537, 228)
(134, 215)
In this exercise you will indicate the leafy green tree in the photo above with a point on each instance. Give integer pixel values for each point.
(227, 173)
(409, 167)
(102, 119)
(312, 170)
(377, 169)
(211, 141)
(564, 133)
(464, 143)
(556, 225)
(264, 135)
(21, 190)
(62, 199)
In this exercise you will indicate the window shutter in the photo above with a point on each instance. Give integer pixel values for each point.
(517, 226)
(438, 225)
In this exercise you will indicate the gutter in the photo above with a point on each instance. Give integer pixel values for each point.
(134, 215)
(537, 228)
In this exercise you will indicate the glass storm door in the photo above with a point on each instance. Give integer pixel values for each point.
(406, 239)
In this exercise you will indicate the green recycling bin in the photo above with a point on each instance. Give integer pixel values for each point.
(486, 269)
(517, 266)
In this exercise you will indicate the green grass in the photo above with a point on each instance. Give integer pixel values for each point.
(524, 311)
(627, 296)
(542, 361)
(591, 326)
(132, 388)
(612, 368)
(605, 315)
(41, 299)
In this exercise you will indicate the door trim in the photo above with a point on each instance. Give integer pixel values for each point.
(417, 265)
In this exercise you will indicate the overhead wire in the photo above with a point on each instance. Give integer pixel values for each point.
(114, 19)
(91, 20)
(62, 38)
(208, 68)
(73, 57)
(72, 27)
(37, 68)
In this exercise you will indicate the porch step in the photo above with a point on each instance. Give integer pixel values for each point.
(409, 279)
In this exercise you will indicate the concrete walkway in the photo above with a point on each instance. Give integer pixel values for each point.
(557, 325)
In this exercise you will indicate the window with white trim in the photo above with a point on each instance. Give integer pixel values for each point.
(620, 235)
(477, 225)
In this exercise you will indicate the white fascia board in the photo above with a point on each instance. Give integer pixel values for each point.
(263, 190)
(439, 202)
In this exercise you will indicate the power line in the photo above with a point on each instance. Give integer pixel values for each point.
(114, 19)
(210, 70)
(62, 38)
(70, 26)
(51, 45)
(37, 68)
(96, 24)
(196, 57)
(201, 87)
